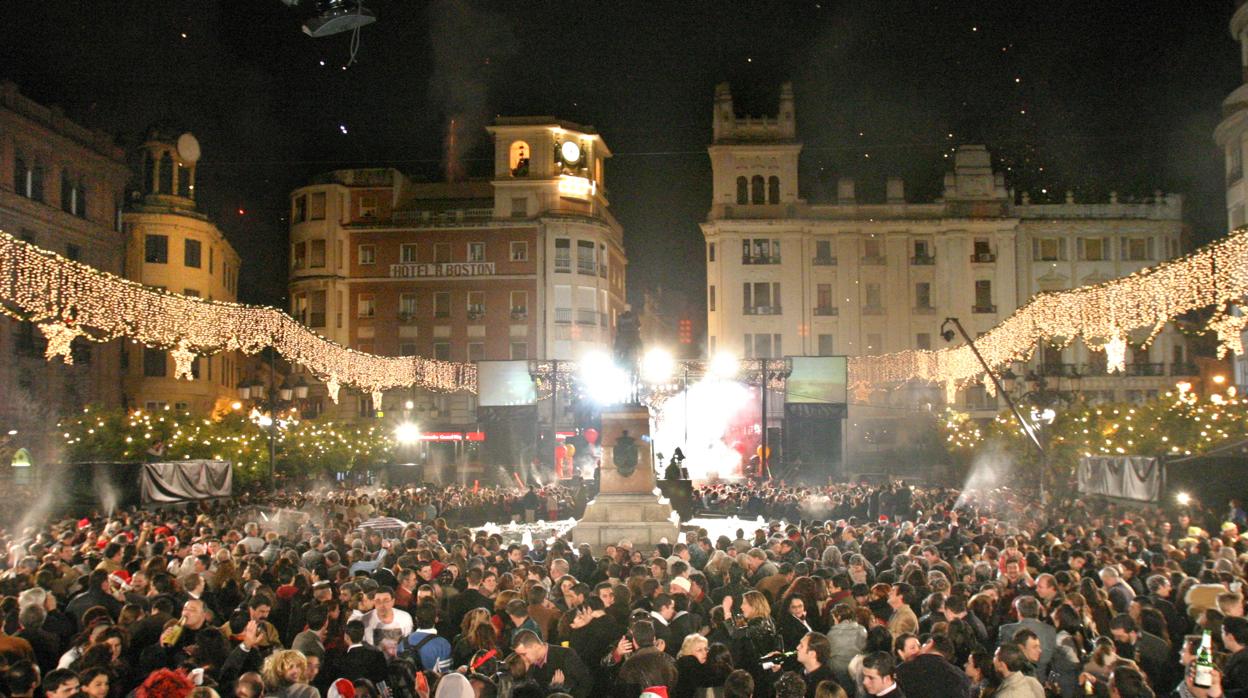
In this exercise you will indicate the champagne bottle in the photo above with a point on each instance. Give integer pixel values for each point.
(174, 633)
(1087, 688)
(1202, 677)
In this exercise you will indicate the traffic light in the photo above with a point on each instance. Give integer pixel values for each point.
(686, 331)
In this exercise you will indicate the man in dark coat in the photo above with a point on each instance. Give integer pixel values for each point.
(814, 651)
(553, 666)
(358, 661)
(930, 674)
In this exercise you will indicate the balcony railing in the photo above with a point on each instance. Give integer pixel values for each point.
(984, 309)
(827, 310)
(872, 310)
(476, 312)
(1059, 370)
(1146, 369)
(585, 268)
(586, 317)
(519, 313)
(823, 261)
(921, 260)
(875, 259)
(762, 310)
(563, 316)
(760, 259)
(1183, 368)
(407, 316)
(1093, 369)
(563, 265)
(983, 258)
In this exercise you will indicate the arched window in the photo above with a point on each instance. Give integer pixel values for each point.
(759, 196)
(149, 173)
(184, 181)
(773, 190)
(519, 159)
(743, 190)
(165, 175)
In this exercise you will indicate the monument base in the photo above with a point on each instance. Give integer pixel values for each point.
(641, 519)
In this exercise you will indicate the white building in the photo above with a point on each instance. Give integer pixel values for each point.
(786, 276)
(1231, 135)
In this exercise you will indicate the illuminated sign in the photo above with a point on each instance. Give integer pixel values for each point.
(441, 270)
(577, 187)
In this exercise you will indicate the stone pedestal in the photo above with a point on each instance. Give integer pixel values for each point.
(626, 507)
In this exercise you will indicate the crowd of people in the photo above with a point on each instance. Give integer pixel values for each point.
(841, 590)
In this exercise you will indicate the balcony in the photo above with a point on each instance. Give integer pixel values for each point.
(873, 310)
(1145, 369)
(823, 261)
(586, 316)
(922, 260)
(563, 265)
(519, 313)
(406, 316)
(762, 310)
(1183, 368)
(826, 311)
(874, 259)
(585, 268)
(984, 309)
(1094, 369)
(924, 310)
(476, 311)
(1058, 370)
(983, 258)
(761, 259)
(563, 316)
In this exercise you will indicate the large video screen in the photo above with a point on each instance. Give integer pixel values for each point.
(504, 384)
(818, 380)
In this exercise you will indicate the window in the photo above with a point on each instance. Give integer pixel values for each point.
(407, 348)
(710, 299)
(317, 254)
(155, 406)
(211, 259)
(983, 296)
(368, 206)
(982, 251)
(872, 251)
(762, 298)
(757, 195)
(1093, 249)
(407, 306)
(442, 252)
(519, 305)
(923, 341)
(476, 305)
(1048, 249)
(1137, 249)
(366, 305)
(743, 191)
(825, 345)
(923, 252)
(367, 254)
(73, 252)
(519, 350)
(823, 299)
(156, 249)
(299, 255)
(563, 255)
(519, 251)
(1234, 160)
(442, 351)
(519, 207)
(299, 213)
(923, 295)
(184, 181)
(823, 253)
(518, 160)
(165, 176)
(763, 346)
(476, 252)
(873, 296)
(476, 351)
(68, 192)
(21, 177)
(760, 251)
(710, 252)
(154, 363)
(192, 253)
(585, 257)
(773, 190)
(407, 253)
(316, 206)
(192, 292)
(442, 304)
(80, 206)
(316, 312)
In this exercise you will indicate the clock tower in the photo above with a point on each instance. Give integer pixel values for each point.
(753, 158)
(543, 164)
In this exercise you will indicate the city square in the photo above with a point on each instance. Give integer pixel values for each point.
(343, 355)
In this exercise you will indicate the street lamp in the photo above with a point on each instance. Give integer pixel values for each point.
(657, 366)
(407, 433)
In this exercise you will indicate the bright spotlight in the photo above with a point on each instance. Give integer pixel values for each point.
(724, 365)
(657, 366)
(407, 433)
(604, 381)
(236, 405)
(1045, 416)
(1219, 379)
(1183, 498)
(264, 420)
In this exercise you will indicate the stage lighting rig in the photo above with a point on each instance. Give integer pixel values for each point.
(334, 16)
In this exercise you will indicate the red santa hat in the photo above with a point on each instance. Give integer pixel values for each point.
(655, 692)
(341, 688)
(120, 577)
(84, 523)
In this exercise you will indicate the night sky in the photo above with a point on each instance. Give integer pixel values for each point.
(1092, 97)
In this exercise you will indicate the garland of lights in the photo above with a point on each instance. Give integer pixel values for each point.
(68, 299)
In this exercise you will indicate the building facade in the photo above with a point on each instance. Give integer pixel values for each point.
(786, 276)
(528, 264)
(173, 246)
(61, 188)
(1231, 136)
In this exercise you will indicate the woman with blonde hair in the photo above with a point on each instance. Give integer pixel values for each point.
(284, 673)
(692, 671)
(753, 634)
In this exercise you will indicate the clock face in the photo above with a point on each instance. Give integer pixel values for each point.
(571, 152)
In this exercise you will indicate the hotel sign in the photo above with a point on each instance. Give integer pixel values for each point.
(441, 270)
